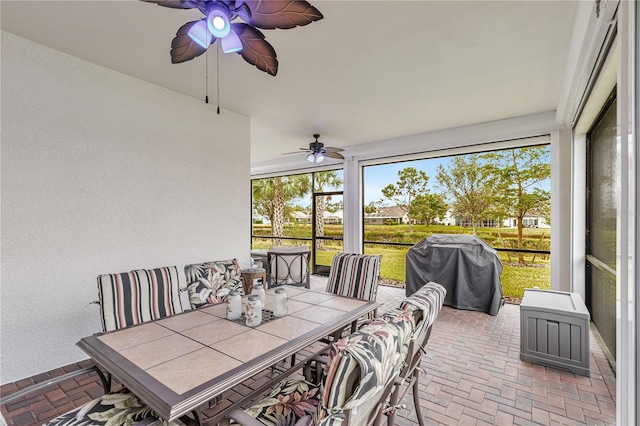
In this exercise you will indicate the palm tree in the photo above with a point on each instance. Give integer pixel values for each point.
(322, 181)
(271, 196)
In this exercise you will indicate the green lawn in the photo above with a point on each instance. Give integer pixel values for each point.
(515, 277)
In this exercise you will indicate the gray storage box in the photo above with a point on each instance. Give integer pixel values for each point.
(554, 330)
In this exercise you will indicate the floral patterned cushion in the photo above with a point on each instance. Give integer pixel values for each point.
(122, 408)
(286, 404)
(373, 356)
(360, 370)
(205, 279)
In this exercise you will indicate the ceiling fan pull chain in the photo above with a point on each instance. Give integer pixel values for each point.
(206, 78)
(218, 75)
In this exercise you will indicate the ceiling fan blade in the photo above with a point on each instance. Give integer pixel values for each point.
(283, 14)
(255, 49)
(331, 154)
(173, 4)
(183, 48)
(333, 149)
(303, 150)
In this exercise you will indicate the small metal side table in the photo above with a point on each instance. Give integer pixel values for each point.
(248, 275)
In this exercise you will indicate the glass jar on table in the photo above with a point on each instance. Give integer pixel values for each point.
(253, 311)
(259, 290)
(280, 303)
(234, 305)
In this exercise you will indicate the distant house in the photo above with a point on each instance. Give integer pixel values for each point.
(512, 222)
(261, 219)
(333, 218)
(528, 222)
(301, 217)
(384, 215)
(449, 219)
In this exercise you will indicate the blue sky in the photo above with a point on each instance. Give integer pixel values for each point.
(377, 177)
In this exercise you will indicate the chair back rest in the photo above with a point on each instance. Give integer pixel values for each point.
(288, 265)
(423, 308)
(130, 298)
(360, 373)
(354, 275)
(205, 279)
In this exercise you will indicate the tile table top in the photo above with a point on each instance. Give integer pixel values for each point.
(176, 363)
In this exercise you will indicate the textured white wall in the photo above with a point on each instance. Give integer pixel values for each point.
(101, 173)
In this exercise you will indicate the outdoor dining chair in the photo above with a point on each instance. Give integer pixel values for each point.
(355, 275)
(423, 307)
(113, 408)
(358, 378)
(288, 265)
(130, 298)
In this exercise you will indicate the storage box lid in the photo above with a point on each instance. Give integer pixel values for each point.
(555, 301)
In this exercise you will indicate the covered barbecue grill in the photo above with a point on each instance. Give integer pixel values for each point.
(464, 264)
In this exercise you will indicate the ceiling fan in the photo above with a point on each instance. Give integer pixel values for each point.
(244, 38)
(317, 151)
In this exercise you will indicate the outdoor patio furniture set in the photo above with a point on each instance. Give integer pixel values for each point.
(172, 363)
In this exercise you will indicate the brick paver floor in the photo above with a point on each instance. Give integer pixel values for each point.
(472, 376)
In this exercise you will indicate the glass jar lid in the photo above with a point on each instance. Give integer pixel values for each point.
(280, 290)
(254, 297)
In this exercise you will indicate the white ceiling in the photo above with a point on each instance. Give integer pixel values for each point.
(368, 71)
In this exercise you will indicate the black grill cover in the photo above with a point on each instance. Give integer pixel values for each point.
(464, 264)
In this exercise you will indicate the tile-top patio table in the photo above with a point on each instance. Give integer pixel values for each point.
(177, 363)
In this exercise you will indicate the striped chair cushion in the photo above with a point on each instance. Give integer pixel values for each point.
(205, 279)
(428, 299)
(130, 298)
(354, 275)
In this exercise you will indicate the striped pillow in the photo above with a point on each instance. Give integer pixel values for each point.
(427, 300)
(130, 298)
(354, 275)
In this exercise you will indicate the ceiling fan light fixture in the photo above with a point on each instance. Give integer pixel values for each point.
(315, 157)
(218, 23)
(200, 34)
(231, 43)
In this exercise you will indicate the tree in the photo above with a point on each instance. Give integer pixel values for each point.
(469, 187)
(272, 197)
(334, 207)
(372, 207)
(411, 183)
(519, 173)
(428, 207)
(322, 181)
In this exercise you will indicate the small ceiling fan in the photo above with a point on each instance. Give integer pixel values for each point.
(317, 151)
